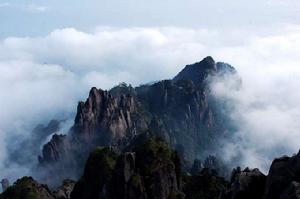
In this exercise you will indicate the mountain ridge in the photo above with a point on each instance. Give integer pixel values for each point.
(180, 110)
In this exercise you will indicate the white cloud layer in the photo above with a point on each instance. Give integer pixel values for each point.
(44, 77)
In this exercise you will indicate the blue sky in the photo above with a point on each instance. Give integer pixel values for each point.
(39, 17)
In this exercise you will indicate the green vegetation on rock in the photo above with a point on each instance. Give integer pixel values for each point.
(97, 174)
(151, 154)
(26, 188)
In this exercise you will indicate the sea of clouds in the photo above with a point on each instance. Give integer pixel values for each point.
(42, 78)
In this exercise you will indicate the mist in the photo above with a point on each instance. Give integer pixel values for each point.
(266, 112)
(43, 78)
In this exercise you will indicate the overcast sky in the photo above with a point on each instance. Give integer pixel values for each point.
(52, 52)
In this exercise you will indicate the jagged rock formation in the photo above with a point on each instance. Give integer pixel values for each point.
(180, 110)
(246, 184)
(104, 118)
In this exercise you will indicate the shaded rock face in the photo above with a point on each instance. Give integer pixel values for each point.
(5, 184)
(104, 118)
(27, 188)
(64, 191)
(197, 167)
(59, 157)
(181, 111)
(206, 184)
(181, 114)
(151, 171)
(292, 191)
(97, 175)
(55, 150)
(283, 177)
(246, 184)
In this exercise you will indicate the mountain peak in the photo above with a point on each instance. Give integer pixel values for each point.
(208, 60)
(197, 72)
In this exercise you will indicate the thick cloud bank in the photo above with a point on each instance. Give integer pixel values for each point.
(43, 78)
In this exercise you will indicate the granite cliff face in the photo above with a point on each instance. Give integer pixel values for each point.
(104, 119)
(181, 111)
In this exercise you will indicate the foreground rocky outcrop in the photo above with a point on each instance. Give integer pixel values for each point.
(27, 188)
(246, 184)
(151, 170)
(206, 184)
(283, 179)
(282, 182)
(97, 175)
